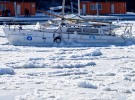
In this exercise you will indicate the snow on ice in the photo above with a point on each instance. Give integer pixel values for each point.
(6, 70)
(66, 73)
(86, 84)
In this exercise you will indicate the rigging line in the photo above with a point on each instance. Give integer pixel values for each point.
(49, 13)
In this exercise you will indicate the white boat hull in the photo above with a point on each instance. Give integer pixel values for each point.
(26, 37)
(47, 37)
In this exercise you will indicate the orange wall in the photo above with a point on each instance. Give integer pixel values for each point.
(119, 7)
(31, 6)
(105, 8)
(8, 5)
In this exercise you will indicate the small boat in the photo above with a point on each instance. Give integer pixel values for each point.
(49, 34)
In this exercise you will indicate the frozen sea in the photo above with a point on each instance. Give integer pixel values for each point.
(66, 73)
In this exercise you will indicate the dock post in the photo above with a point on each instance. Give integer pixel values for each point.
(15, 9)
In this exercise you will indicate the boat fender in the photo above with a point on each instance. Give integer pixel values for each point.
(57, 40)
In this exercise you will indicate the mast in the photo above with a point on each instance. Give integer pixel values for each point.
(78, 7)
(63, 6)
(72, 7)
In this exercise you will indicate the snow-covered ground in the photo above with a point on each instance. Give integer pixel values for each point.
(66, 73)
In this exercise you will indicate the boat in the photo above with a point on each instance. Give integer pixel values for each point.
(67, 31)
(49, 34)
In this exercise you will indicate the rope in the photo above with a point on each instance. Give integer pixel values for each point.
(49, 13)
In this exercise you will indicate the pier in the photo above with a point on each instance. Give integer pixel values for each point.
(33, 19)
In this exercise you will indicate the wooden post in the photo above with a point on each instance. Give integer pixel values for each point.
(97, 8)
(15, 9)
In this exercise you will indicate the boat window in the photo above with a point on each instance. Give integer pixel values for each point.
(90, 30)
(74, 29)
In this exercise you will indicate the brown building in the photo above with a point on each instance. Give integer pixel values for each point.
(103, 7)
(18, 8)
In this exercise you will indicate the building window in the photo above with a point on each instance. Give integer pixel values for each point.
(2, 7)
(33, 5)
(99, 6)
(94, 7)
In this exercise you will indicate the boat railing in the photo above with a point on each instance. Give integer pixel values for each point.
(58, 31)
(9, 34)
(124, 30)
(128, 30)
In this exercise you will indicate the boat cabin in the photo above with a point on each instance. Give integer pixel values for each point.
(81, 30)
